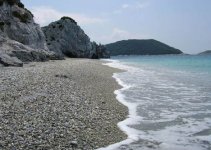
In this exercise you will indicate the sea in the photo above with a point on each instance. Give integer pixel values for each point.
(169, 102)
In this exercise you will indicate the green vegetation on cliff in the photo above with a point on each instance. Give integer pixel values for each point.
(72, 20)
(140, 47)
(22, 17)
(12, 2)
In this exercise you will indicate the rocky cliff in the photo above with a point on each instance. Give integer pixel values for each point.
(21, 39)
(100, 51)
(66, 38)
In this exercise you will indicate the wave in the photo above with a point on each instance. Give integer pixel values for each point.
(168, 109)
(133, 118)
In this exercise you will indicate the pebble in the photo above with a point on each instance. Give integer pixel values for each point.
(47, 105)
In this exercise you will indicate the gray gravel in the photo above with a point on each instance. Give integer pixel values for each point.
(66, 104)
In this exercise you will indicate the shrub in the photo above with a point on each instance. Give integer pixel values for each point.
(61, 26)
(53, 38)
(1, 2)
(21, 5)
(2, 26)
(22, 17)
(2, 23)
(8, 23)
(29, 12)
(12, 2)
(68, 18)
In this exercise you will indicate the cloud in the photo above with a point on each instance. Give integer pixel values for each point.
(119, 34)
(116, 12)
(132, 7)
(44, 15)
(142, 5)
(124, 6)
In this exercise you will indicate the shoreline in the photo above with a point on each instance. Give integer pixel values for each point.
(60, 104)
(132, 115)
(165, 130)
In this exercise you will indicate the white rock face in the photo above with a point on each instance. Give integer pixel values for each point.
(22, 52)
(20, 26)
(10, 61)
(65, 37)
(19, 33)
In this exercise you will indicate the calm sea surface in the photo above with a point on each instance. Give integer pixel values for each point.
(169, 98)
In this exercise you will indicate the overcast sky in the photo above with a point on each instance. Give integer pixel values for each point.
(183, 24)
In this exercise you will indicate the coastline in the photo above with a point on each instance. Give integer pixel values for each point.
(60, 104)
(133, 118)
(161, 127)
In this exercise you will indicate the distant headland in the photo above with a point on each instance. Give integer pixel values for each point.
(207, 52)
(140, 47)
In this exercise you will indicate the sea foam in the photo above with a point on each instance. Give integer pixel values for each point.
(133, 118)
(169, 108)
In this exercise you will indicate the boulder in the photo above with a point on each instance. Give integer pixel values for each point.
(23, 52)
(7, 60)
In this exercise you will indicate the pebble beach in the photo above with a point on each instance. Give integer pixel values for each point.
(65, 104)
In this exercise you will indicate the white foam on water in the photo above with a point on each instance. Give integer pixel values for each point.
(133, 118)
(184, 107)
(181, 137)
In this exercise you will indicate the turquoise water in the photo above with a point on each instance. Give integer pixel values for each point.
(193, 63)
(169, 100)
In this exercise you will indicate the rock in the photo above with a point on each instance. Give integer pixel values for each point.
(6, 60)
(61, 76)
(74, 144)
(17, 24)
(39, 55)
(20, 36)
(101, 51)
(24, 52)
(66, 38)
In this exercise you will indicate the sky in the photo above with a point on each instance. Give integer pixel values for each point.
(183, 24)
